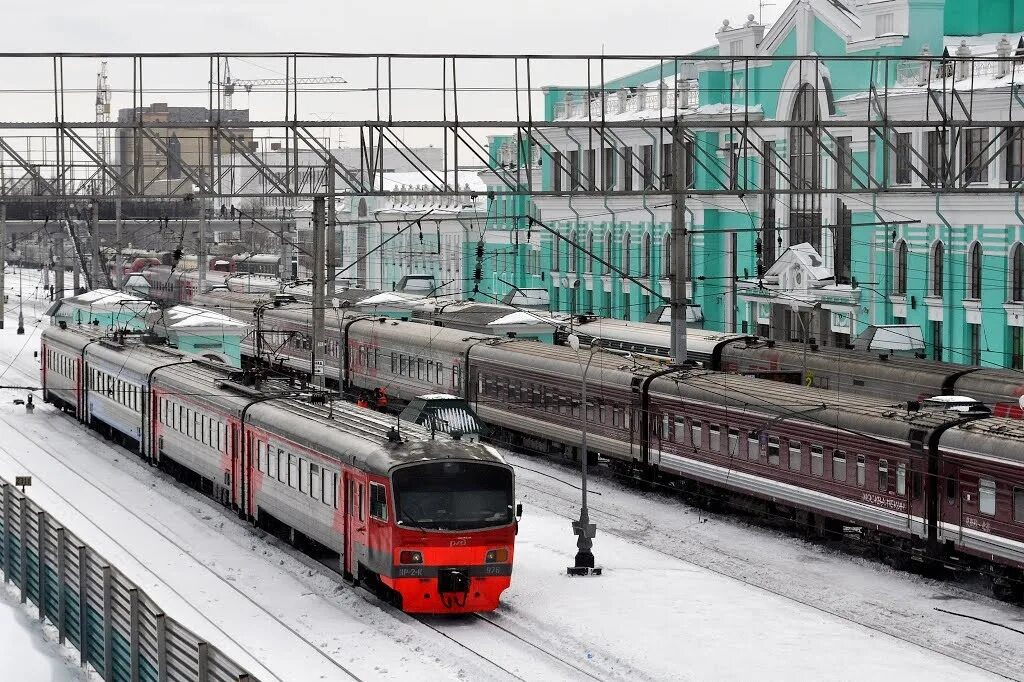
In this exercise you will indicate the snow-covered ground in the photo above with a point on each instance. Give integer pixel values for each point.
(684, 596)
(26, 655)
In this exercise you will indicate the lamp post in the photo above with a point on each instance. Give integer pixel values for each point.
(803, 325)
(584, 530)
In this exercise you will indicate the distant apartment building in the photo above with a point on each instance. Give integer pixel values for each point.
(169, 160)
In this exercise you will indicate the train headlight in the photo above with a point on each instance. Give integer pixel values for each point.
(410, 557)
(497, 556)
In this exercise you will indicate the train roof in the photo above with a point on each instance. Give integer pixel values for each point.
(994, 437)
(558, 361)
(655, 337)
(330, 430)
(794, 402)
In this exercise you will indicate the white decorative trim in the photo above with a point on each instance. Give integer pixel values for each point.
(936, 311)
(1014, 314)
(972, 308)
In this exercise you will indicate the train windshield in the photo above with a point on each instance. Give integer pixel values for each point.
(453, 496)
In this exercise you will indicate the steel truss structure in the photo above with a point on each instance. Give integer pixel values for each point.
(397, 104)
(402, 102)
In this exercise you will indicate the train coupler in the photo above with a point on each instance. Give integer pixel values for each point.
(453, 580)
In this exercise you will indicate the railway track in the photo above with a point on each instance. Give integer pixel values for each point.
(170, 537)
(633, 529)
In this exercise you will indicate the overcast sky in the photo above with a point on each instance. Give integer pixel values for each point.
(549, 26)
(367, 26)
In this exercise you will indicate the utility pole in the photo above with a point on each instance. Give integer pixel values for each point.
(3, 260)
(118, 235)
(201, 249)
(678, 256)
(95, 244)
(332, 226)
(76, 276)
(316, 354)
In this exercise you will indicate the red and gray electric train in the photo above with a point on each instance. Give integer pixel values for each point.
(431, 522)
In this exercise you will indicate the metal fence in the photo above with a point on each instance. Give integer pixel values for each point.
(116, 627)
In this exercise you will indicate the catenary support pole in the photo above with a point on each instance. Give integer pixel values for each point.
(3, 260)
(201, 248)
(316, 352)
(118, 237)
(678, 255)
(59, 265)
(332, 226)
(95, 240)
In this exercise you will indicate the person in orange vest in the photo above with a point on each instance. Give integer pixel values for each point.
(362, 402)
(381, 398)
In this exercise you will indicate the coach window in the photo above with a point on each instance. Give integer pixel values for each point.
(901, 479)
(272, 463)
(303, 475)
(753, 447)
(714, 438)
(987, 496)
(860, 470)
(261, 450)
(817, 460)
(951, 490)
(773, 451)
(378, 502)
(403, 365)
(359, 503)
(350, 504)
(394, 362)
(1018, 505)
(883, 475)
(440, 374)
(734, 443)
(419, 369)
(795, 450)
(839, 466)
(293, 470)
(316, 489)
(430, 373)
(695, 434)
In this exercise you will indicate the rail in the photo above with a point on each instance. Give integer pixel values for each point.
(127, 637)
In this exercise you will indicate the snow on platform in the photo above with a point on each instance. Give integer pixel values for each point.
(26, 655)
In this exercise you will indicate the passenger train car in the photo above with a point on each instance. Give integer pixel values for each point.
(840, 370)
(430, 522)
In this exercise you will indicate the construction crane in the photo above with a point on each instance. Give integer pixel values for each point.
(228, 85)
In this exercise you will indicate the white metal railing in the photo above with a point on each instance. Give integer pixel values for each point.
(923, 72)
(628, 102)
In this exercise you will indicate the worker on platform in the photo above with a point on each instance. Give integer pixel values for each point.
(380, 399)
(362, 402)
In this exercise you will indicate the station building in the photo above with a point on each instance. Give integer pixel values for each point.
(824, 263)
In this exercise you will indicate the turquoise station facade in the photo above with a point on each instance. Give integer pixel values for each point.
(805, 255)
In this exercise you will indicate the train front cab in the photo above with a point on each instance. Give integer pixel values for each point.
(439, 535)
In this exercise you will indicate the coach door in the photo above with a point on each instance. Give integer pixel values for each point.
(355, 520)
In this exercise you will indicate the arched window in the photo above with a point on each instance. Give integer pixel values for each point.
(900, 273)
(573, 251)
(805, 171)
(645, 255)
(607, 255)
(666, 256)
(974, 271)
(626, 255)
(938, 264)
(590, 251)
(556, 253)
(362, 208)
(1017, 273)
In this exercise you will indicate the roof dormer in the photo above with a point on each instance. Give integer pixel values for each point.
(740, 41)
